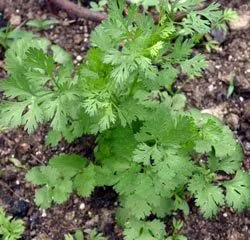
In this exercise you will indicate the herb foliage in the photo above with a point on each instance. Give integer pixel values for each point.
(10, 229)
(154, 153)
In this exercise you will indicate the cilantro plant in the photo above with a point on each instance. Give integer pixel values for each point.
(10, 229)
(153, 152)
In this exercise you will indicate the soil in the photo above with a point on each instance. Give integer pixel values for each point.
(20, 151)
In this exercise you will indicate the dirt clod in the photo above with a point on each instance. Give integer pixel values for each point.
(20, 208)
(15, 20)
(233, 120)
(242, 22)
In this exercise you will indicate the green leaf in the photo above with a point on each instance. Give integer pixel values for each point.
(51, 174)
(228, 164)
(16, 54)
(60, 55)
(62, 192)
(181, 49)
(237, 191)
(186, 5)
(211, 12)
(94, 235)
(215, 136)
(43, 197)
(68, 165)
(53, 138)
(36, 176)
(36, 58)
(11, 113)
(33, 116)
(166, 78)
(68, 237)
(18, 34)
(42, 24)
(137, 205)
(194, 66)
(79, 235)
(130, 111)
(143, 153)
(208, 197)
(193, 23)
(163, 207)
(85, 182)
(142, 230)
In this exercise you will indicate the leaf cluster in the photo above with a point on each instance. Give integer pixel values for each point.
(155, 168)
(63, 174)
(93, 235)
(129, 54)
(10, 229)
(155, 154)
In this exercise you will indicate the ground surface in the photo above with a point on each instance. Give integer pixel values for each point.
(208, 92)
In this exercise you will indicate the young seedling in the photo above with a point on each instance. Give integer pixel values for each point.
(231, 86)
(177, 226)
(42, 24)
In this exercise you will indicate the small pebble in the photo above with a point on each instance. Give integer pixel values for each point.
(38, 153)
(69, 216)
(241, 22)
(78, 38)
(247, 146)
(82, 206)
(79, 58)
(233, 120)
(15, 20)
(33, 233)
(225, 215)
(211, 88)
(44, 214)
(24, 147)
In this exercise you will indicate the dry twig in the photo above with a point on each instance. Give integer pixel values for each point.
(81, 12)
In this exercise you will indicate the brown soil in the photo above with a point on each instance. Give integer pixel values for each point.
(209, 93)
